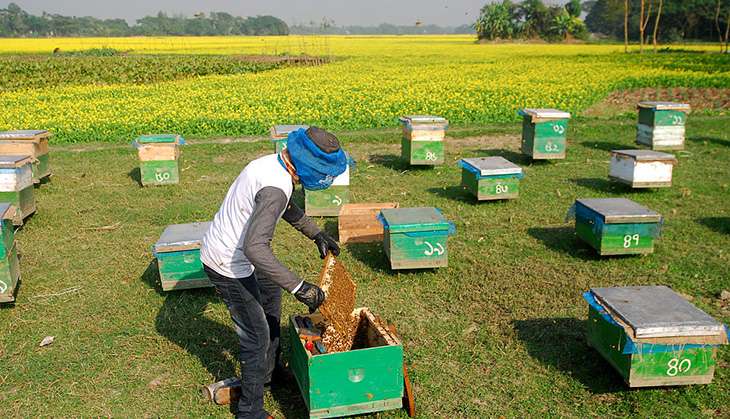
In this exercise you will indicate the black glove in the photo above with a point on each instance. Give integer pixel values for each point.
(311, 295)
(325, 244)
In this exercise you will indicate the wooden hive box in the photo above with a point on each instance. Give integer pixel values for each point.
(16, 185)
(415, 238)
(178, 257)
(365, 379)
(544, 132)
(328, 202)
(661, 125)
(280, 133)
(652, 336)
(358, 223)
(423, 139)
(33, 143)
(642, 168)
(159, 158)
(491, 178)
(9, 264)
(616, 226)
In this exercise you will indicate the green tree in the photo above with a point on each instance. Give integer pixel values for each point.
(498, 21)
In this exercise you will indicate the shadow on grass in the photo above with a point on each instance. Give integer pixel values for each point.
(43, 181)
(564, 240)
(455, 193)
(136, 175)
(607, 145)
(560, 343)
(604, 185)
(513, 156)
(714, 140)
(717, 224)
(395, 162)
(373, 255)
(331, 228)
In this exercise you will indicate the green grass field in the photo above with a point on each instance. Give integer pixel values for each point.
(498, 332)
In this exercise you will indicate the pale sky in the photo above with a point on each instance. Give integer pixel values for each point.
(344, 12)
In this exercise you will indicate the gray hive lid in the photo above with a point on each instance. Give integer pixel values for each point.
(24, 134)
(620, 210)
(414, 219)
(665, 106)
(5, 210)
(181, 237)
(423, 120)
(545, 113)
(11, 161)
(489, 166)
(657, 311)
(647, 155)
(281, 131)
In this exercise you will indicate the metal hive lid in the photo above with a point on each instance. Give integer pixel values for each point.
(646, 155)
(657, 311)
(22, 134)
(414, 219)
(620, 210)
(423, 119)
(545, 113)
(284, 130)
(493, 165)
(14, 160)
(664, 106)
(182, 236)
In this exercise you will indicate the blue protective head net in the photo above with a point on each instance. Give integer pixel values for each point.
(315, 168)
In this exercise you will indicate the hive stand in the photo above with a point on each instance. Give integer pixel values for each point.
(159, 157)
(16, 185)
(491, 178)
(616, 226)
(423, 139)
(544, 133)
(661, 125)
(358, 223)
(33, 143)
(280, 133)
(178, 257)
(642, 168)
(652, 336)
(9, 264)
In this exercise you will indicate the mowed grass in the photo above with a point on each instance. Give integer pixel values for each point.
(498, 332)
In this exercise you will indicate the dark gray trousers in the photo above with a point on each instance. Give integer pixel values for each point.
(255, 308)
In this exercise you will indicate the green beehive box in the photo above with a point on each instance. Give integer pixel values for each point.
(366, 379)
(652, 336)
(280, 133)
(159, 157)
(178, 257)
(9, 264)
(616, 226)
(33, 143)
(544, 132)
(16, 185)
(422, 143)
(328, 202)
(415, 238)
(491, 178)
(661, 125)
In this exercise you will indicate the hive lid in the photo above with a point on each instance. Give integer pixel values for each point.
(158, 138)
(181, 237)
(488, 166)
(647, 155)
(657, 311)
(423, 119)
(544, 113)
(7, 211)
(665, 106)
(620, 210)
(413, 219)
(281, 131)
(14, 160)
(27, 134)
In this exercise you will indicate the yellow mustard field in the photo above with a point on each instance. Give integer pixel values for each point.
(369, 83)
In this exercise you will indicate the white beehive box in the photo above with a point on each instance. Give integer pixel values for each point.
(642, 168)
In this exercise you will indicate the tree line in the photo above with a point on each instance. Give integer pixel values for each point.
(531, 19)
(16, 22)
